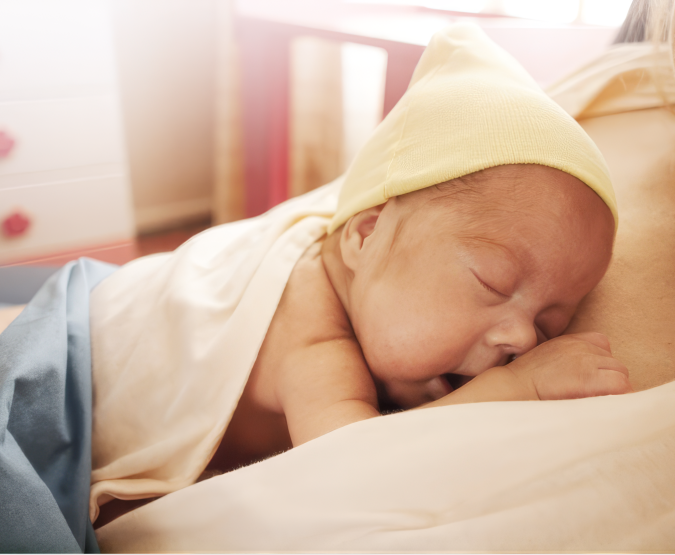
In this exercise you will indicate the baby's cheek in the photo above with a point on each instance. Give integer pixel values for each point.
(417, 361)
(403, 338)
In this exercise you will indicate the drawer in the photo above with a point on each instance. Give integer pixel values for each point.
(67, 216)
(55, 48)
(58, 134)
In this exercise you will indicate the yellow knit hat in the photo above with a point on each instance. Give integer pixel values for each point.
(469, 106)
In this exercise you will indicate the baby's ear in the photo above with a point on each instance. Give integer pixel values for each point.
(354, 233)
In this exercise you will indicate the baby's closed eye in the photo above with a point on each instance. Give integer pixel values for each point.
(488, 287)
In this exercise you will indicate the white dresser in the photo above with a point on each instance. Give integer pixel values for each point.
(63, 171)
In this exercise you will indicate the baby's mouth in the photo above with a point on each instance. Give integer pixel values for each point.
(439, 387)
(457, 380)
(447, 383)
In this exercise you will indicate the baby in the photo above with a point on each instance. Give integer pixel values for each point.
(453, 281)
(429, 287)
(466, 232)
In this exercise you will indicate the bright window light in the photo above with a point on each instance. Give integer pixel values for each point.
(605, 12)
(469, 6)
(556, 11)
(610, 13)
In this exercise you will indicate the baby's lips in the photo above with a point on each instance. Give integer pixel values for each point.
(439, 387)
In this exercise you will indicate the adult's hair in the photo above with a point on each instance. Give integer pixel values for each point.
(648, 20)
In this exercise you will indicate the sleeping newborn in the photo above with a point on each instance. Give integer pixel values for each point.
(453, 280)
(424, 283)
(459, 242)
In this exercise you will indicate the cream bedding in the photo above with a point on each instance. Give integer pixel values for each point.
(585, 475)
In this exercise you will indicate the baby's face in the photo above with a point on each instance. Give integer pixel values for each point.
(445, 287)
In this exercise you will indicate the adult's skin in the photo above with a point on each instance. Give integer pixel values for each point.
(634, 304)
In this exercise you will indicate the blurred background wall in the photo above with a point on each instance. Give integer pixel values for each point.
(64, 183)
(166, 52)
(189, 130)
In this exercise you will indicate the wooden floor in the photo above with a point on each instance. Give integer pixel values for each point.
(166, 241)
(121, 253)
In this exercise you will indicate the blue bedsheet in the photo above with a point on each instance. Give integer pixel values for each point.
(45, 417)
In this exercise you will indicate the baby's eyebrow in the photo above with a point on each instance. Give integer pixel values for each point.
(475, 241)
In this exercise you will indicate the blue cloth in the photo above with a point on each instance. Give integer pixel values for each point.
(45, 417)
(18, 284)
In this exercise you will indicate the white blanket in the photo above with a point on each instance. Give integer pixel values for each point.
(174, 337)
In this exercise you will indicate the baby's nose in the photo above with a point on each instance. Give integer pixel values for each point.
(514, 337)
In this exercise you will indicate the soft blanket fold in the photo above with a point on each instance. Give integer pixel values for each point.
(45, 417)
(582, 475)
(174, 338)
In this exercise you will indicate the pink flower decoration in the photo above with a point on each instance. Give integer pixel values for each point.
(6, 144)
(15, 224)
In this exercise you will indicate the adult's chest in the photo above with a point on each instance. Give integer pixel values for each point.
(634, 304)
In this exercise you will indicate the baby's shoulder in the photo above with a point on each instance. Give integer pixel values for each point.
(310, 308)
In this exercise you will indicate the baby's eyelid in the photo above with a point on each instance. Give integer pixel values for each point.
(486, 286)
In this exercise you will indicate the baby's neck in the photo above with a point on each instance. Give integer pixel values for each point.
(339, 275)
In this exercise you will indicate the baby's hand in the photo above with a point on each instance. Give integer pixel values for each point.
(571, 367)
(567, 367)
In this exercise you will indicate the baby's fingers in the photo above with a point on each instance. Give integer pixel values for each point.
(598, 339)
(610, 363)
(611, 378)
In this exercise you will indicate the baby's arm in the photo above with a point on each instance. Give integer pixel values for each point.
(322, 381)
(567, 367)
(329, 387)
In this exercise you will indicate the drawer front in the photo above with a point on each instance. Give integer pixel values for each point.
(58, 134)
(55, 48)
(66, 216)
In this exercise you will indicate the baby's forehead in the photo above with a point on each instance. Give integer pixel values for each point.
(506, 191)
(504, 202)
(517, 179)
